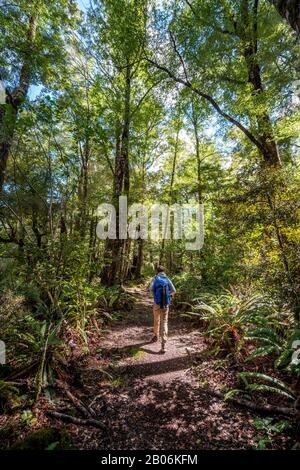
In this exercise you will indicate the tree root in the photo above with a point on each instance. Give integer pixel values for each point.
(76, 402)
(281, 410)
(81, 422)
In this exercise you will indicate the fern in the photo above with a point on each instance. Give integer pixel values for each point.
(227, 313)
(261, 352)
(276, 385)
(268, 388)
(266, 334)
(269, 342)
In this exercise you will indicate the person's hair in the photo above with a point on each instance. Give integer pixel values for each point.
(160, 269)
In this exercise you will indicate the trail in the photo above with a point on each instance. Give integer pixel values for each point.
(150, 400)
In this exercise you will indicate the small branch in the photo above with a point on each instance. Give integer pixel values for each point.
(73, 399)
(143, 97)
(191, 8)
(22, 372)
(9, 240)
(211, 100)
(81, 422)
(13, 384)
(109, 163)
(220, 30)
(255, 25)
(226, 31)
(232, 80)
(178, 54)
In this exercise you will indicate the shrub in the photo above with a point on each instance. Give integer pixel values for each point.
(227, 317)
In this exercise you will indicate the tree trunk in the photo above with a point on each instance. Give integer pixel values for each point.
(14, 100)
(35, 229)
(92, 246)
(112, 257)
(290, 11)
(197, 151)
(248, 35)
(195, 121)
(138, 259)
(270, 149)
(170, 201)
(289, 275)
(83, 189)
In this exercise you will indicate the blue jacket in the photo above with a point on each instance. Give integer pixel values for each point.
(155, 292)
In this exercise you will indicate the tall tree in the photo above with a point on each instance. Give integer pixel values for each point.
(121, 56)
(31, 43)
(227, 37)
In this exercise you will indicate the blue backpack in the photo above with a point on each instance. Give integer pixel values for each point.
(161, 289)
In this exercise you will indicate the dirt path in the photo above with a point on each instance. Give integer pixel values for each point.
(153, 401)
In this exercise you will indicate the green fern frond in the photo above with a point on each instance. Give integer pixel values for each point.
(261, 352)
(278, 384)
(266, 333)
(270, 389)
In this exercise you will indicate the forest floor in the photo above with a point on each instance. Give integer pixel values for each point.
(158, 401)
(148, 400)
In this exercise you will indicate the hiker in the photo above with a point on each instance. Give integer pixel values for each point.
(162, 290)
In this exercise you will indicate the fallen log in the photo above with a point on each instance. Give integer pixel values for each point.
(282, 410)
(81, 422)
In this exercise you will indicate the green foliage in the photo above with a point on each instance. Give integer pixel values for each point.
(118, 382)
(283, 344)
(189, 288)
(268, 429)
(136, 353)
(8, 393)
(228, 317)
(272, 385)
(28, 419)
(52, 22)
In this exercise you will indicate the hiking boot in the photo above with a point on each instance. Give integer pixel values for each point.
(154, 339)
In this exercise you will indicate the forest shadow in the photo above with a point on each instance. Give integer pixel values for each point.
(170, 415)
(150, 351)
(123, 351)
(146, 369)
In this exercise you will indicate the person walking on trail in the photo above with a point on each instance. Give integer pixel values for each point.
(162, 290)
